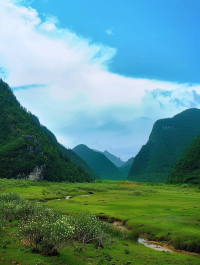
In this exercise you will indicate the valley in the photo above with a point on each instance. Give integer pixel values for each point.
(158, 212)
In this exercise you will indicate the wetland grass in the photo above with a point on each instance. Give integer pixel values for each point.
(165, 220)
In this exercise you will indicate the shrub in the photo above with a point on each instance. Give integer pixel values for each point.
(89, 229)
(45, 236)
(10, 197)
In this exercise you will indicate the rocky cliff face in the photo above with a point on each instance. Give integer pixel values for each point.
(39, 171)
(31, 149)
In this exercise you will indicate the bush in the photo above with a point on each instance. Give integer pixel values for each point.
(45, 236)
(89, 229)
(47, 231)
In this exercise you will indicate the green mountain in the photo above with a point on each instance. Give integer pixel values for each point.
(187, 169)
(167, 142)
(115, 160)
(125, 168)
(26, 150)
(68, 152)
(99, 163)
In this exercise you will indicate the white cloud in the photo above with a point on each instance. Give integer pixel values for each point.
(110, 31)
(79, 98)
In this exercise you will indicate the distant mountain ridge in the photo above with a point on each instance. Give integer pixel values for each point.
(125, 168)
(115, 160)
(27, 149)
(167, 142)
(99, 163)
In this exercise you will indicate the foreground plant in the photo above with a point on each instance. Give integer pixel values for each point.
(47, 236)
(47, 231)
(89, 229)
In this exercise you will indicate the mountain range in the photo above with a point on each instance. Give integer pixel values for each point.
(99, 163)
(30, 150)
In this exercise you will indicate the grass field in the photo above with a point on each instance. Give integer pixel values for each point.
(165, 213)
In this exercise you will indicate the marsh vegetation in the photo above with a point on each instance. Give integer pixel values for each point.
(38, 224)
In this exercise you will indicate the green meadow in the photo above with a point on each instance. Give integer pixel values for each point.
(165, 213)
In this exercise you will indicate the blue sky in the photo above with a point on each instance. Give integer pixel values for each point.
(161, 35)
(102, 72)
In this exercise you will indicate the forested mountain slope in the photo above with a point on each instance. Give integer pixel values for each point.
(167, 142)
(187, 169)
(125, 168)
(24, 147)
(99, 163)
(68, 152)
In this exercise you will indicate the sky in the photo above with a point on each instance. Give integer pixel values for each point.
(101, 73)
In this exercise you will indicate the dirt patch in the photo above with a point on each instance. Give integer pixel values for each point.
(114, 219)
(102, 217)
(119, 225)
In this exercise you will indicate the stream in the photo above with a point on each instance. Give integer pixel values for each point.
(153, 244)
(150, 244)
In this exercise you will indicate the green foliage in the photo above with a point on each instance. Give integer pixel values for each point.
(187, 168)
(134, 235)
(99, 163)
(167, 142)
(169, 211)
(46, 236)
(19, 157)
(87, 229)
(47, 231)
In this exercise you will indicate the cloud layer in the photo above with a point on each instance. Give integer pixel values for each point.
(65, 80)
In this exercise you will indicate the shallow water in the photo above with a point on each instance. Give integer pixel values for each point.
(154, 245)
(68, 197)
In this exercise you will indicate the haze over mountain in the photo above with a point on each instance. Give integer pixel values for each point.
(27, 149)
(167, 142)
(114, 159)
(99, 163)
(187, 168)
(68, 152)
(125, 168)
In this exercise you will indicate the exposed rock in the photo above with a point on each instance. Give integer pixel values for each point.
(37, 173)
(29, 137)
